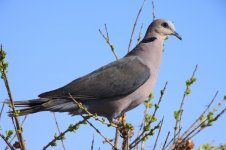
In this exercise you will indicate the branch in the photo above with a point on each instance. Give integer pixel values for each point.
(25, 117)
(151, 132)
(80, 105)
(18, 128)
(178, 114)
(135, 24)
(140, 34)
(153, 10)
(107, 39)
(156, 140)
(71, 128)
(92, 145)
(6, 141)
(147, 105)
(117, 136)
(3, 105)
(152, 116)
(98, 131)
(58, 128)
(209, 119)
(203, 113)
(166, 140)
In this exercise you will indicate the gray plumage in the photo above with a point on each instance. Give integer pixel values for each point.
(114, 88)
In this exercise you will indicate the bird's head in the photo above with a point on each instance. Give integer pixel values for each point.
(163, 28)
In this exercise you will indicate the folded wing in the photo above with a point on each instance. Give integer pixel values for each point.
(116, 79)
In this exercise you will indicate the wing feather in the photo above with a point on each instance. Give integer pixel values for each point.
(118, 78)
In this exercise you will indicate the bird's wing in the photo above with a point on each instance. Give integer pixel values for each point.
(118, 78)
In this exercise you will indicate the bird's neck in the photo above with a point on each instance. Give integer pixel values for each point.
(150, 52)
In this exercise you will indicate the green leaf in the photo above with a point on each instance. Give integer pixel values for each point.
(193, 79)
(176, 114)
(188, 82)
(151, 96)
(156, 106)
(188, 91)
(9, 133)
(62, 137)
(53, 144)
(150, 105)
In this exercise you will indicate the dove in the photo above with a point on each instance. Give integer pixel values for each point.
(115, 88)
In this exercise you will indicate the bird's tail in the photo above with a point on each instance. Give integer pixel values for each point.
(43, 104)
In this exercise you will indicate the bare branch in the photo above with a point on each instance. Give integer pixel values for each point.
(107, 39)
(2, 109)
(153, 10)
(92, 145)
(58, 128)
(117, 136)
(98, 131)
(140, 34)
(156, 140)
(166, 140)
(135, 24)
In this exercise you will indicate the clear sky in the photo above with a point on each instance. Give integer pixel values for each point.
(50, 43)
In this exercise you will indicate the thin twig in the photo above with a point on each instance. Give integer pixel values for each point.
(107, 39)
(92, 145)
(2, 109)
(135, 24)
(68, 130)
(178, 118)
(156, 140)
(95, 117)
(166, 140)
(18, 128)
(172, 139)
(204, 120)
(98, 131)
(134, 144)
(140, 34)
(153, 115)
(6, 141)
(90, 114)
(221, 113)
(153, 10)
(58, 128)
(147, 107)
(203, 113)
(22, 123)
(106, 30)
(117, 136)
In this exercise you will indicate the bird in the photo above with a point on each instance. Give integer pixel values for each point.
(113, 89)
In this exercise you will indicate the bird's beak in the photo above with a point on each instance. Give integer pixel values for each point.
(177, 35)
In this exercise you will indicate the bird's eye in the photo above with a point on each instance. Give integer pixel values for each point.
(165, 25)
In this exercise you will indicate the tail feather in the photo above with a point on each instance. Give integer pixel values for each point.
(44, 104)
(29, 103)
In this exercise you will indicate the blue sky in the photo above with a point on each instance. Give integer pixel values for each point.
(50, 43)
